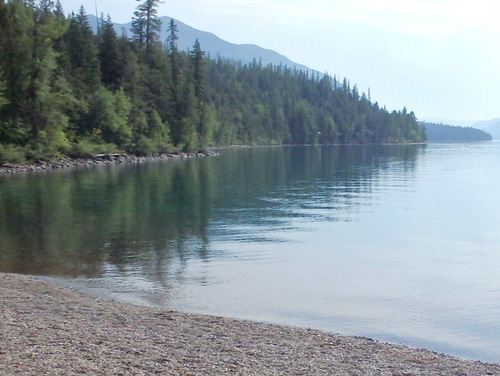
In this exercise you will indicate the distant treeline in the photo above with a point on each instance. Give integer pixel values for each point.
(449, 133)
(66, 91)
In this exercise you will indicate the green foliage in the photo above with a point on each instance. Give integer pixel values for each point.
(190, 138)
(109, 56)
(157, 129)
(209, 126)
(3, 99)
(13, 130)
(109, 113)
(52, 141)
(269, 104)
(65, 91)
(10, 153)
(84, 70)
(197, 62)
(145, 146)
(16, 47)
(86, 147)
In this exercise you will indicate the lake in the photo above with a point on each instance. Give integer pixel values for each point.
(396, 242)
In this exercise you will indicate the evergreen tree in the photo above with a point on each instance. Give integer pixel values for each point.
(146, 25)
(58, 9)
(173, 52)
(31, 114)
(178, 95)
(138, 27)
(83, 55)
(197, 62)
(16, 24)
(111, 64)
(45, 113)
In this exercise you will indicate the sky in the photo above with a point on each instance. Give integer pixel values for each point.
(438, 58)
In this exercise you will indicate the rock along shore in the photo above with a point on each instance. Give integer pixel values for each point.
(48, 329)
(100, 159)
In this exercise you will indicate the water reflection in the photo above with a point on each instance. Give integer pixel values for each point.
(157, 216)
(73, 222)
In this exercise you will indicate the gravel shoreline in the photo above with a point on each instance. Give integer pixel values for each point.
(49, 329)
(97, 160)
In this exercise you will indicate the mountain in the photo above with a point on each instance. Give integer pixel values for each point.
(214, 46)
(491, 126)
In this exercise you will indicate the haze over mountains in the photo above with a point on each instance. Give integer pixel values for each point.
(214, 46)
(490, 126)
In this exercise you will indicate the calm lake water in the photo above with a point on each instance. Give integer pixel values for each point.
(398, 243)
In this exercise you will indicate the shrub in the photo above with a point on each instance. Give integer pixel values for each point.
(85, 148)
(12, 154)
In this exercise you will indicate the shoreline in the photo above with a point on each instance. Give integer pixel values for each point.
(121, 158)
(97, 160)
(50, 329)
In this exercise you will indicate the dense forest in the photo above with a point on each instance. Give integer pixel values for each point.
(67, 91)
(450, 133)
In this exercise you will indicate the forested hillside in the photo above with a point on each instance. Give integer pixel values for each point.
(449, 133)
(66, 91)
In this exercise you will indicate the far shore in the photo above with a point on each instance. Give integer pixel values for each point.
(49, 329)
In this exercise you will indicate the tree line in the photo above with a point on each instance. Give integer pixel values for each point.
(65, 90)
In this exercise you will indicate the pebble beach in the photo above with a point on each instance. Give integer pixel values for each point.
(50, 329)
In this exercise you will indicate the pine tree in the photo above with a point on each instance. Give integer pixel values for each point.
(16, 21)
(83, 55)
(179, 96)
(58, 9)
(197, 61)
(173, 52)
(29, 65)
(146, 25)
(111, 64)
(138, 27)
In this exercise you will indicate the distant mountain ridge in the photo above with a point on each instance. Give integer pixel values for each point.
(214, 46)
(490, 126)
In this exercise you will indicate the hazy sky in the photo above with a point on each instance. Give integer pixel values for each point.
(439, 58)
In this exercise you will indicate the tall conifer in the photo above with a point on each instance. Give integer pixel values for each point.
(197, 61)
(111, 65)
(146, 25)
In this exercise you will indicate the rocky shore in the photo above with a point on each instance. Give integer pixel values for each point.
(100, 159)
(48, 329)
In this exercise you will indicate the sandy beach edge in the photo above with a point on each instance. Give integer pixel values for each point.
(50, 329)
